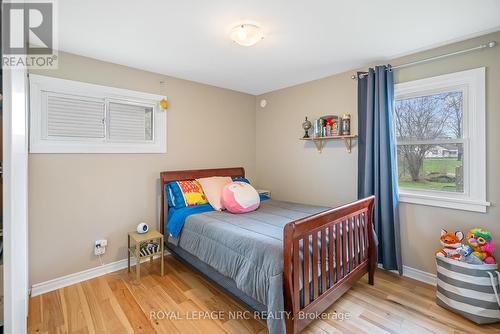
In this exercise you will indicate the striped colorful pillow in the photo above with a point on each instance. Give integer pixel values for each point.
(185, 193)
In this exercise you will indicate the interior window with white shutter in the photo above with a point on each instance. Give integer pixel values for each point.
(73, 116)
(130, 122)
(77, 117)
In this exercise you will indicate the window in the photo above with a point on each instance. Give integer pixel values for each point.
(75, 117)
(440, 134)
(430, 141)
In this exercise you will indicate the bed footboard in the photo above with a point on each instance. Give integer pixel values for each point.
(324, 255)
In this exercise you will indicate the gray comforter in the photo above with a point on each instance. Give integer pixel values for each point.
(248, 248)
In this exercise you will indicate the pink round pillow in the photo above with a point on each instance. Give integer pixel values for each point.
(240, 197)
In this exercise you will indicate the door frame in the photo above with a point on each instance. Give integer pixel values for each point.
(15, 197)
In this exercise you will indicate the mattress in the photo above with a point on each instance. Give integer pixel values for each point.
(247, 249)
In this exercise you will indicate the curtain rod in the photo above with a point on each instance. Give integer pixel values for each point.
(488, 45)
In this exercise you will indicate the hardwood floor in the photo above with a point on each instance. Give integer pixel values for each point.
(115, 304)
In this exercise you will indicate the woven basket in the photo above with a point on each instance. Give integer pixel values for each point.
(470, 290)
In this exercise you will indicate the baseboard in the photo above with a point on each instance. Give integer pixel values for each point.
(61, 282)
(416, 274)
(419, 275)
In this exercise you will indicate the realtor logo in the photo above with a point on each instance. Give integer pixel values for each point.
(28, 35)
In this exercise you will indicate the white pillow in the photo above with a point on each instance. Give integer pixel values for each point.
(212, 187)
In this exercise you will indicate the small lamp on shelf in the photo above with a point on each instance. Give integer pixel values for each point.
(306, 126)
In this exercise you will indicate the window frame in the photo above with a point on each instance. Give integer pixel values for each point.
(40, 143)
(472, 84)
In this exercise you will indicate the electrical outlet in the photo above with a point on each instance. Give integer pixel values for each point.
(100, 246)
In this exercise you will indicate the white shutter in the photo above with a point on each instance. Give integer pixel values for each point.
(76, 117)
(129, 122)
(73, 116)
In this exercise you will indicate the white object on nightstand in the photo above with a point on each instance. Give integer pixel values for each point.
(264, 192)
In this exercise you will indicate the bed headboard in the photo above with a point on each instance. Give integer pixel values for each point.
(183, 175)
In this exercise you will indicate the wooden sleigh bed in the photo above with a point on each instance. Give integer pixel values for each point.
(343, 234)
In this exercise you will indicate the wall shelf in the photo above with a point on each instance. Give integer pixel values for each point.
(321, 141)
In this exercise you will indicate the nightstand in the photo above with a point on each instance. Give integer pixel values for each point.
(264, 192)
(135, 250)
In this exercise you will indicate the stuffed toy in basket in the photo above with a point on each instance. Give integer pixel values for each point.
(468, 284)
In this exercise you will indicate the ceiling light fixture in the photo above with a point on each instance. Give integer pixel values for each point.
(246, 34)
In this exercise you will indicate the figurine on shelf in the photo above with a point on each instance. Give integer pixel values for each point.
(306, 126)
(346, 124)
(328, 127)
(335, 126)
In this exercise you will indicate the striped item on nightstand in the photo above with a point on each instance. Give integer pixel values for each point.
(149, 248)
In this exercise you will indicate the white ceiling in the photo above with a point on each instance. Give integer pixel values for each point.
(305, 40)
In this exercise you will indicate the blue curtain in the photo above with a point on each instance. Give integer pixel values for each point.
(377, 160)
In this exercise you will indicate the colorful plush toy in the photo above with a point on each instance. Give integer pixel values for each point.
(482, 244)
(240, 197)
(451, 242)
(466, 255)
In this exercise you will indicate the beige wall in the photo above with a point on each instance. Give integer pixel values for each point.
(75, 199)
(293, 170)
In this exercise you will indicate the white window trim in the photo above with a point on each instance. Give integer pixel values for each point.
(473, 84)
(39, 144)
